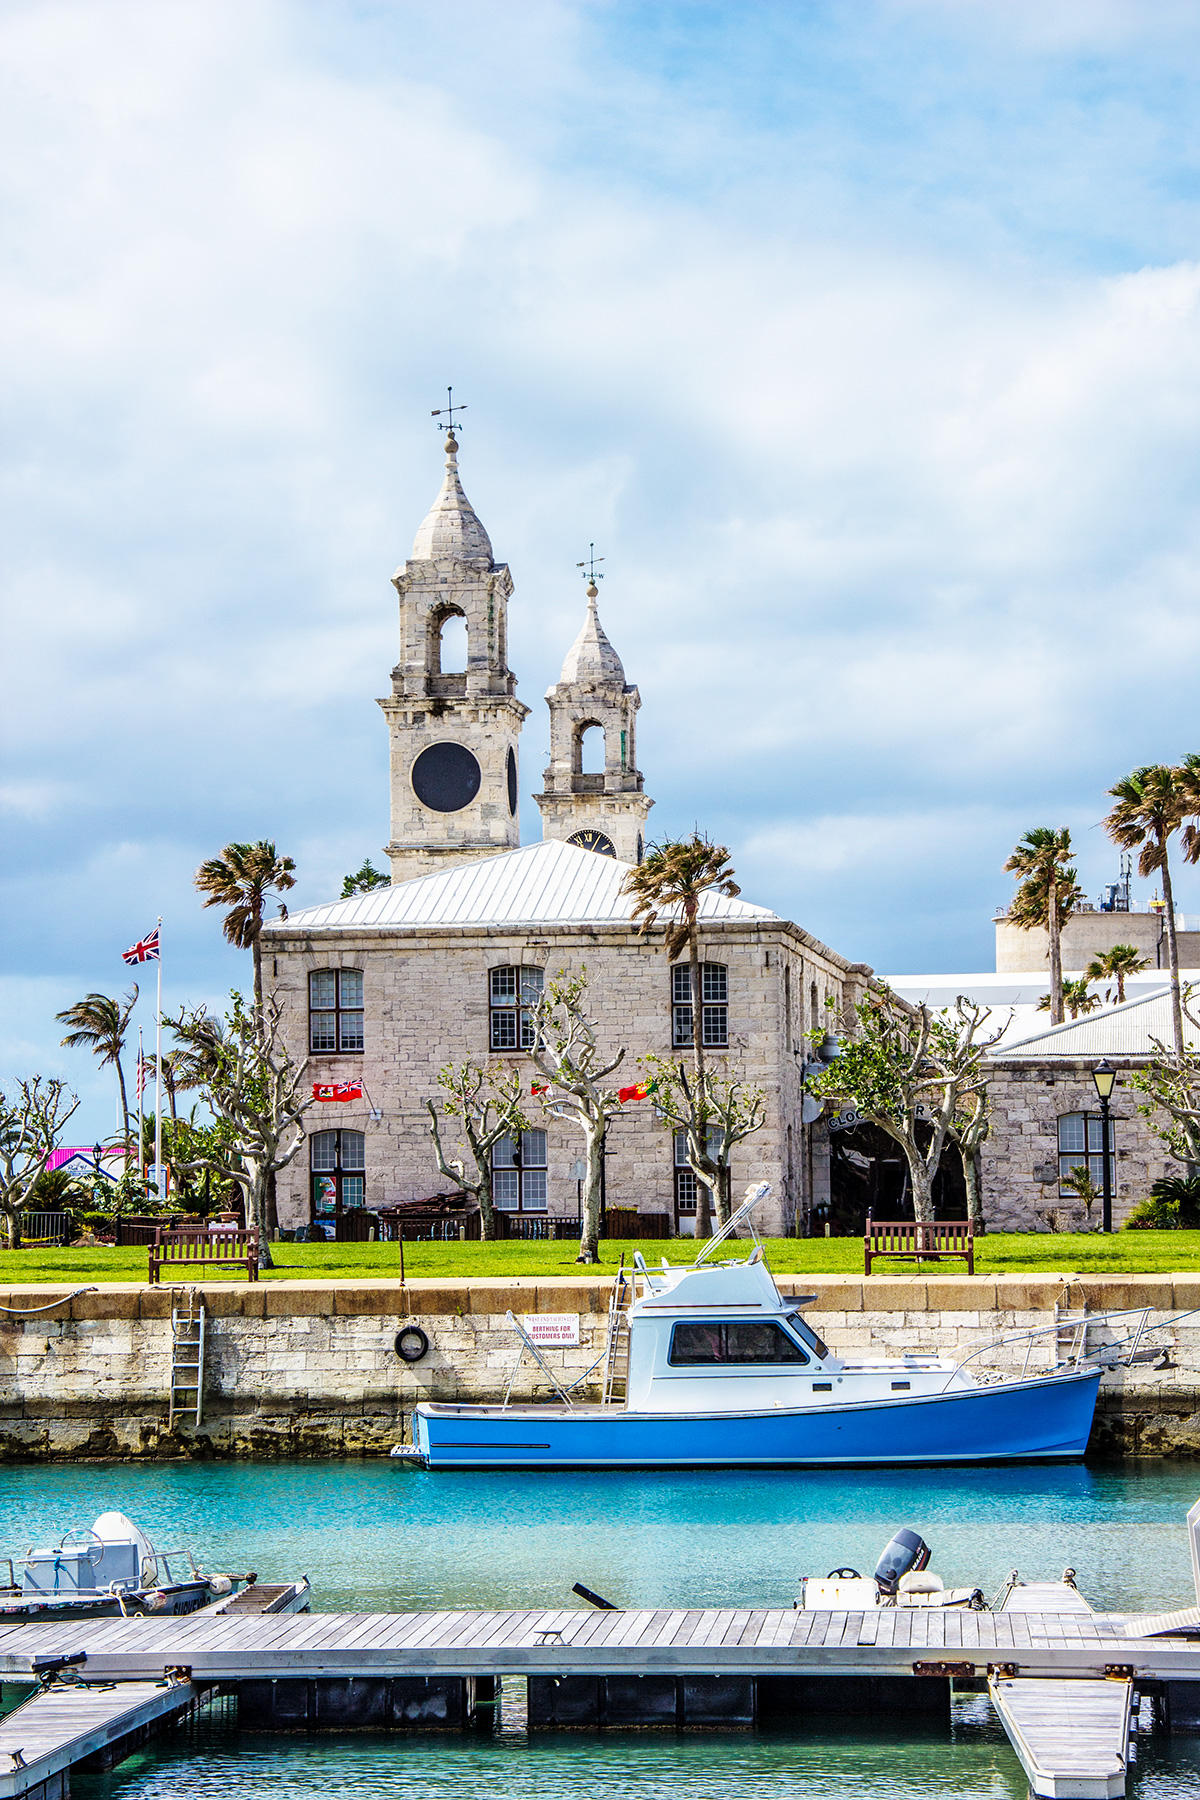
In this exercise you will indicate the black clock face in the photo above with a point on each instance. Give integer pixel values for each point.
(512, 781)
(593, 840)
(446, 777)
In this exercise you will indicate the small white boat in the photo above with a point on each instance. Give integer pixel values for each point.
(103, 1570)
(902, 1578)
(724, 1371)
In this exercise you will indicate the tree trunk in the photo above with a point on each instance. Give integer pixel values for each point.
(1172, 956)
(12, 1226)
(589, 1235)
(1052, 927)
(970, 1167)
(125, 1107)
(922, 1188)
(256, 953)
(703, 1191)
(724, 1193)
(256, 1211)
(487, 1212)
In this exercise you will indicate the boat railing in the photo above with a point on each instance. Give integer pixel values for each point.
(1071, 1341)
(740, 1217)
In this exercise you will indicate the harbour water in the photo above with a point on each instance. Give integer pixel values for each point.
(381, 1536)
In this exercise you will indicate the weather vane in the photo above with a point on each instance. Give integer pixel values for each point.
(591, 574)
(448, 411)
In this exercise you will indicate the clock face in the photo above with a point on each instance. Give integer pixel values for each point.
(446, 777)
(593, 840)
(511, 775)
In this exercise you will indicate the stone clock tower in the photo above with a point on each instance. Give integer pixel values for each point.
(454, 734)
(604, 812)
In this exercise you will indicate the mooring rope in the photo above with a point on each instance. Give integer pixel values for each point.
(29, 1312)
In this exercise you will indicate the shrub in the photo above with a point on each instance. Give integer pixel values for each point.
(1174, 1205)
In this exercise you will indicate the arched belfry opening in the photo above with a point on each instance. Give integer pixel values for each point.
(590, 748)
(449, 643)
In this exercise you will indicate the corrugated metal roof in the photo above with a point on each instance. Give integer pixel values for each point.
(1121, 1031)
(542, 884)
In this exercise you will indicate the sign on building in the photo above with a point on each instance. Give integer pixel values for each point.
(553, 1331)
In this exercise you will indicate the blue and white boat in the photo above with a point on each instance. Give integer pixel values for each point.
(723, 1371)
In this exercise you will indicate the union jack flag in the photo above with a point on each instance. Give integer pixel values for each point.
(145, 950)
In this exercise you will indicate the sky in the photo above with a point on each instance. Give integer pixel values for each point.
(861, 337)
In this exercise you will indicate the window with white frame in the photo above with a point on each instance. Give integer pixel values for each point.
(513, 994)
(335, 1011)
(519, 1173)
(338, 1163)
(1081, 1145)
(714, 1005)
(686, 1185)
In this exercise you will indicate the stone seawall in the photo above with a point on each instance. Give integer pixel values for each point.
(309, 1368)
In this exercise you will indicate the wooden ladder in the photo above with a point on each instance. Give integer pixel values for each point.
(616, 1357)
(187, 1357)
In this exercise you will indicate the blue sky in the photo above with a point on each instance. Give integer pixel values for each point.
(863, 339)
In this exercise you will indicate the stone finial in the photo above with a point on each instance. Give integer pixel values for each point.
(451, 527)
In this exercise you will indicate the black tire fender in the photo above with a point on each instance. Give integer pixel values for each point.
(411, 1344)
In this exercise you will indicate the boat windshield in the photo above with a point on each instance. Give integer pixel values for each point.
(809, 1336)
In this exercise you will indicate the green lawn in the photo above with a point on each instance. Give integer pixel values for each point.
(1124, 1253)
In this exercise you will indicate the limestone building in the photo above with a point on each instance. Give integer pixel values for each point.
(440, 966)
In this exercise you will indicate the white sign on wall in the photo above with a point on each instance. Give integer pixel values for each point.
(555, 1331)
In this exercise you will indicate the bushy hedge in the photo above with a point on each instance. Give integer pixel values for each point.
(1174, 1205)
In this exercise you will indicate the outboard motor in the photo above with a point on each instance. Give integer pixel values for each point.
(905, 1554)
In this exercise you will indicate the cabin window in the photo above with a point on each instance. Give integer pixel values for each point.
(338, 1163)
(514, 993)
(1081, 1145)
(729, 1341)
(804, 1330)
(519, 1173)
(335, 1010)
(714, 1005)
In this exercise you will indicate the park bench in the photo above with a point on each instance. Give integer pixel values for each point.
(221, 1249)
(913, 1242)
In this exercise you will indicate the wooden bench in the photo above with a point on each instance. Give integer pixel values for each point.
(913, 1242)
(235, 1249)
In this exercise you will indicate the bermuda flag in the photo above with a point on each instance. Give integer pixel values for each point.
(337, 1090)
(145, 950)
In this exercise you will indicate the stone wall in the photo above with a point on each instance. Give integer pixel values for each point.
(426, 1003)
(310, 1368)
(1020, 1157)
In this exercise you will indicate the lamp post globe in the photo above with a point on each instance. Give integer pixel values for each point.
(1104, 1079)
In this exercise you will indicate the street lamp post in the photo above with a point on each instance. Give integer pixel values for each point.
(1104, 1077)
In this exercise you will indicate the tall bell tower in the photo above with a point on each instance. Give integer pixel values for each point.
(455, 734)
(605, 812)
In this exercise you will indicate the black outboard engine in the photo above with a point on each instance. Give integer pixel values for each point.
(905, 1553)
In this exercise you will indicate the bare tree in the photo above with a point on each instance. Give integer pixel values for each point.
(716, 1115)
(255, 1091)
(912, 1072)
(1171, 1084)
(488, 1107)
(969, 1129)
(31, 1123)
(566, 1054)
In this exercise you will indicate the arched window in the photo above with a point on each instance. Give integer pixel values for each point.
(1081, 1145)
(519, 1174)
(714, 995)
(338, 1162)
(513, 992)
(591, 750)
(335, 1011)
(452, 646)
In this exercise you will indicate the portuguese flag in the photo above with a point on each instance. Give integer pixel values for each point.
(641, 1090)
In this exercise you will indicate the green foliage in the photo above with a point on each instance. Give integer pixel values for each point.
(1040, 862)
(1077, 998)
(1117, 964)
(364, 881)
(671, 880)
(1174, 1205)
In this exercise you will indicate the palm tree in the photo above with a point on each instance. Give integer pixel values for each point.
(241, 879)
(1116, 965)
(1046, 897)
(672, 879)
(1076, 998)
(1152, 803)
(99, 1025)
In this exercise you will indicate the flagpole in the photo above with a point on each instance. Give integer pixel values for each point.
(158, 1087)
(139, 1089)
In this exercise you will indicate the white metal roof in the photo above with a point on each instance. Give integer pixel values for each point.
(542, 884)
(1120, 1031)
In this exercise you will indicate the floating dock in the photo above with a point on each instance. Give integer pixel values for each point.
(1071, 1737)
(66, 1725)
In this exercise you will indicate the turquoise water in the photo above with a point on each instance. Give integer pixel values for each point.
(383, 1536)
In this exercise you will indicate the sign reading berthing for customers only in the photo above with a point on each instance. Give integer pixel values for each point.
(553, 1331)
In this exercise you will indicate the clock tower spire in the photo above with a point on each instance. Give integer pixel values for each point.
(605, 811)
(454, 733)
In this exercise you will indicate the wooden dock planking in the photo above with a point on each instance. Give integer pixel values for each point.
(1070, 1736)
(888, 1641)
(68, 1723)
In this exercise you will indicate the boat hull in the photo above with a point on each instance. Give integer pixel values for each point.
(1047, 1419)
